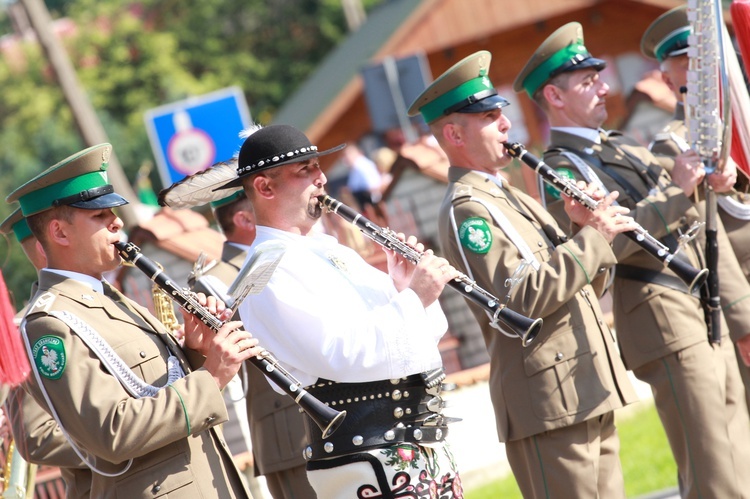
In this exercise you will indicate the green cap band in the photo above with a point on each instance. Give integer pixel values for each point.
(43, 199)
(434, 109)
(21, 230)
(225, 201)
(542, 72)
(677, 38)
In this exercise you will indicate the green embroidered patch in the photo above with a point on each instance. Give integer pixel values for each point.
(475, 235)
(49, 356)
(553, 191)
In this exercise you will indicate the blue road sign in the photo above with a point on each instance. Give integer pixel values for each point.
(191, 135)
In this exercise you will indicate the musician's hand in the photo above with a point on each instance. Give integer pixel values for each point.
(724, 178)
(399, 268)
(743, 345)
(227, 350)
(430, 276)
(688, 171)
(197, 335)
(607, 218)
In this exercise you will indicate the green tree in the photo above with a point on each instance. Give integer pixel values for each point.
(131, 57)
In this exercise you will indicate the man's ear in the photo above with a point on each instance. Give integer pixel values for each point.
(243, 220)
(553, 96)
(263, 186)
(453, 134)
(58, 232)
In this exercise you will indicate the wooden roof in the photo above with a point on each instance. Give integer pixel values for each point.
(446, 31)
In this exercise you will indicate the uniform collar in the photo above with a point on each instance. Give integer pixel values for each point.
(94, 283)
(590, 134)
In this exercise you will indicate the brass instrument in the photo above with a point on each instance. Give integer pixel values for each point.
(707, 115)
(163, 308)
(523, 327)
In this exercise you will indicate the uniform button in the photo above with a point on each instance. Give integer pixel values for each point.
(539, 243)
(558, 356)
(601, 269)
(277, 404)
(601, 322)
(143, 355)
(210, 419)
(156, 489)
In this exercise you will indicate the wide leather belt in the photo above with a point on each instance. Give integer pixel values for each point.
(654, 277)
(378, 414)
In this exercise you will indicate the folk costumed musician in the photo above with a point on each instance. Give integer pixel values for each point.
(360, 339)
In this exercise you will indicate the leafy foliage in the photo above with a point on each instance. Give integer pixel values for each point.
(132, 57)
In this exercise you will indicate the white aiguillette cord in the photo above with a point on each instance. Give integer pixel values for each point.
(113, 363)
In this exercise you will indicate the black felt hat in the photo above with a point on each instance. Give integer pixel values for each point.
(273, 146)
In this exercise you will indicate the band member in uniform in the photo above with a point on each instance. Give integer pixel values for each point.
(276, 426)
(659, 323)
(361, 340)
(139, 410)
(553, 400)
(38, 437)
(666, 40)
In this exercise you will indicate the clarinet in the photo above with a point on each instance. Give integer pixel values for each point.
(690, 275)
(523, 327)
(327, 418)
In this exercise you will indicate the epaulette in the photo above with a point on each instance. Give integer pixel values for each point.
(41, 303)
(462, 191)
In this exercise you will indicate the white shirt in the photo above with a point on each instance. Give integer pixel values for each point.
(590, 134)
(95, 283)
(326, 313)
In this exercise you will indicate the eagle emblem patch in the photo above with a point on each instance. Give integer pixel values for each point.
(49, 356)
(475, 235)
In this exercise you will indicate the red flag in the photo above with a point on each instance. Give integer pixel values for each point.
(14, 365)
(740, 11)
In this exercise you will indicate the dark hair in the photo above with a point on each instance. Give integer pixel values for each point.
(224, 214)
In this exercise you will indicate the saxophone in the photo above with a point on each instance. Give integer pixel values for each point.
(164, 309)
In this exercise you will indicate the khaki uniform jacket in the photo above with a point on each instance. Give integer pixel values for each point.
(651, 320)
(170, 437)
(571, 372)
(739, 237)
(734, 290)
(39, 439)
(276, 427)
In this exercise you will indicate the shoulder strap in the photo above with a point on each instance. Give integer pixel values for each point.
(527, 256)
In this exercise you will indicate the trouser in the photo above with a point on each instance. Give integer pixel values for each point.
(700, 399)
(290, 484)
(581, 460)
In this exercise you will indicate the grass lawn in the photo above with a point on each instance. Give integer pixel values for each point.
(646, 459)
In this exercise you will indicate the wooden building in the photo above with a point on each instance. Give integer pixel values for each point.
(331, 106)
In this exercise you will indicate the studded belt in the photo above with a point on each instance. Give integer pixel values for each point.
(379, 414)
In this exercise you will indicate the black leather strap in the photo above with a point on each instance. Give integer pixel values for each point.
(654, 277)
(378, 414)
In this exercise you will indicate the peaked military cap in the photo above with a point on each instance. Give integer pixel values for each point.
(668, 35)
(16, 223)
(272, 146)
(79, 180)
(561, 52)
(464, 88)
